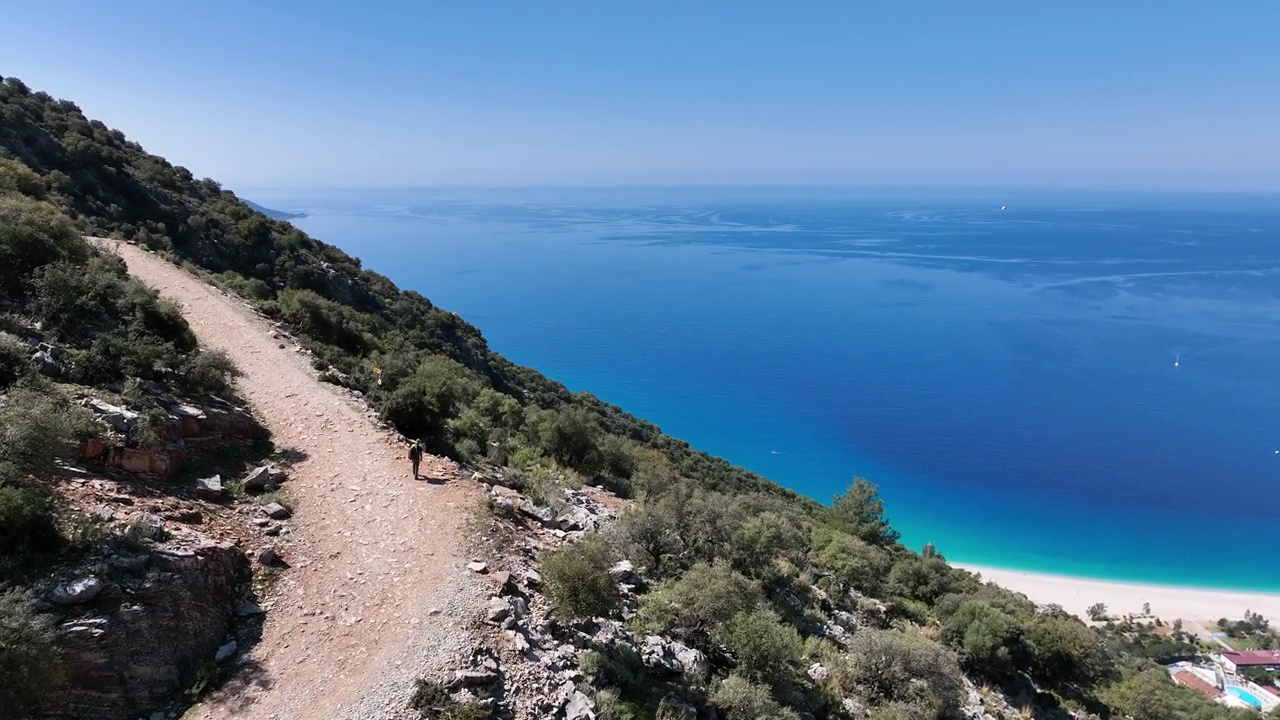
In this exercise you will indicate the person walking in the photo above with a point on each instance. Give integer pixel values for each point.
(415, 457)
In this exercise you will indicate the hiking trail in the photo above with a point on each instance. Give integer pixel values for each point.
(376, 593)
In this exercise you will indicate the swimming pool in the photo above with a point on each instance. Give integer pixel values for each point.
(1245, 695)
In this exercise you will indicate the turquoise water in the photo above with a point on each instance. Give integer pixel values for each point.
(1245, 695)
(1008, 379)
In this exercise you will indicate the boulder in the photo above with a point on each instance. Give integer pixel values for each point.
(817, 672)
(505, 585)
(45, 363)
(80, 590)
(624, 573)
(268, 556)
(498, 610)
(519, 608)
(210, 489)
(276, 511)
(476, 566)
(259, 481)
(691, 660)
(226, 651)
(579, 707)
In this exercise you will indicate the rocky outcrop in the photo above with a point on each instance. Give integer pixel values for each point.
(133, 638)
(186, 428)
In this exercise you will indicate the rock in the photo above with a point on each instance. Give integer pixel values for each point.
(226, 651)
(519, 608)
(519, 642)
(276, 511)
(692, 662)
(542, 515)
(624, 573)
(247, 608)
(81, 590)
(262, 522)
(498, 610)
(532, 578)
(105, 514)
(134, 563)
(817, 672)
(271, 531)
(210, 489)
(267, 556)
(190, 517)
(46, 364)
(505, 586)
(259, 481)
(476, 566)
(579, 707)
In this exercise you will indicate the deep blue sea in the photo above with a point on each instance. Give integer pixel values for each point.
(1084, 384)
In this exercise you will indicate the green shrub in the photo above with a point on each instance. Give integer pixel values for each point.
(924, 579)
(1064, 652)
(26, 520)
(699, 601)
(578, 581)
(210, 371)
(766, 650)
(36, 430)
(984, 636)
(761, 540)
(433, 702)
(18, 178)
(851, 563)
(14, 360)
(888, 667)
(33, 234)
(740, 699)
(28, 656)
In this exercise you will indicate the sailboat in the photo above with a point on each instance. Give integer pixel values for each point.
(1176, 359)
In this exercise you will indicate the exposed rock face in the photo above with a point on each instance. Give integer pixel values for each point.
(120, 657)
(186, 428)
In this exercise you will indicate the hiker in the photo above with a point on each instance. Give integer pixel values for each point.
(415, 457)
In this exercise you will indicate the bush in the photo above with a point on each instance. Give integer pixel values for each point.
(28, 656)
(13, 359)
(26, 521)
(763, 539)
(851, 563)
(888, 667)
(1064, 652)
(210, 371)
(983, 635)
(740, 699)
(698, 602)
(924, 579)
(35, 431)
(33, 234)
(766, 650)
(433, 702)
(578, 581)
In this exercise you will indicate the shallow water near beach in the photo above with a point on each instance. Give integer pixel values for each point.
(1082, 384)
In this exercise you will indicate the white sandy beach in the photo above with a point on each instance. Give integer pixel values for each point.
(1167, 602)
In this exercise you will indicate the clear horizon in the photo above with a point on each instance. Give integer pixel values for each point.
(1175, 96)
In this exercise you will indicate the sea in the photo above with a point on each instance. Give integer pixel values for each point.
(1076, 383)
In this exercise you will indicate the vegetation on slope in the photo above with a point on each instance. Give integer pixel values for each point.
(751, 574)
(69, 311)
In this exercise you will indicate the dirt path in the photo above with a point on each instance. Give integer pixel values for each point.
(376, 591)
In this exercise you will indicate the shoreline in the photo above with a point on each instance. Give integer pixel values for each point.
(1076, 594)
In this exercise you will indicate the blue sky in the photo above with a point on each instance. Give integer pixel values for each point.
(1084, 94)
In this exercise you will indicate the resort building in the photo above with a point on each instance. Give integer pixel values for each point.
(1190, 680)
(1233, 660)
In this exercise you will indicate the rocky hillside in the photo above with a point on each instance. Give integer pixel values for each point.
(695, 590)
(122, 570)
